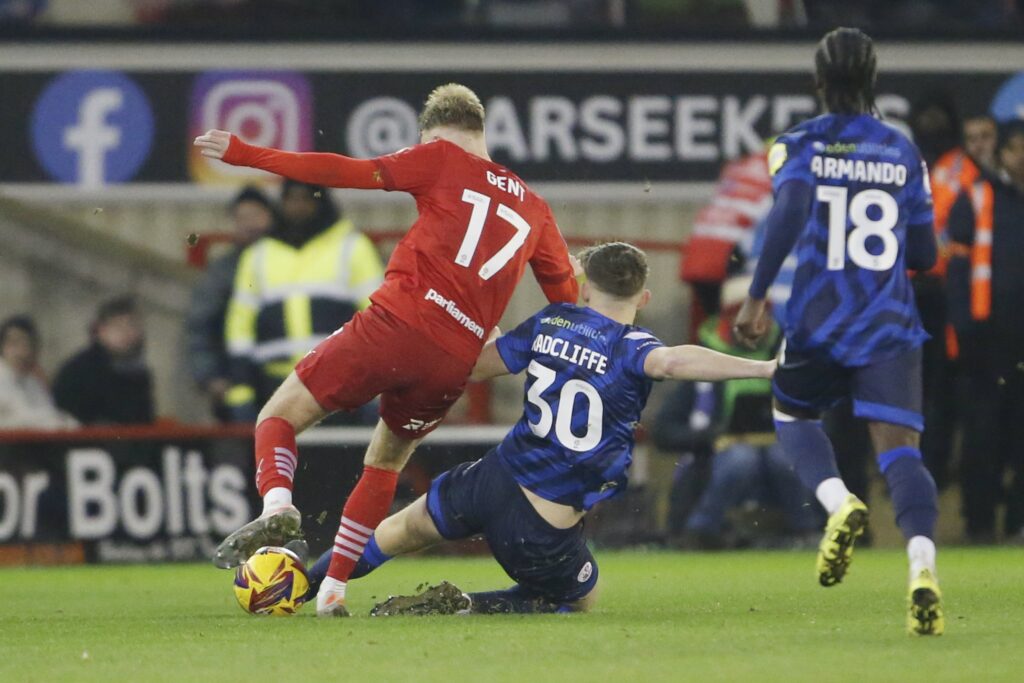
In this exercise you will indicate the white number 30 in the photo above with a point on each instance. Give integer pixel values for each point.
(863, 228)
(545, 377)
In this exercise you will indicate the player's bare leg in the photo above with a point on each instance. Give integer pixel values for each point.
(412, 529)
(407, 531)
(914, 501)
(366, 507)
(290, 410)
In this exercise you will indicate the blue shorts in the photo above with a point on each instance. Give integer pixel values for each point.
(886, 391)
(482, 497)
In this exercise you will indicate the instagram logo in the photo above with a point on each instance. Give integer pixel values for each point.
(266, 108)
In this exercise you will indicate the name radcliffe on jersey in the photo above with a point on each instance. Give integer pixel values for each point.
(574, 353)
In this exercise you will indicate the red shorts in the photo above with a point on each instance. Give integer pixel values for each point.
(377, 354)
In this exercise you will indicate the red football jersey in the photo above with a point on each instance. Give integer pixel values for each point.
(453, 273)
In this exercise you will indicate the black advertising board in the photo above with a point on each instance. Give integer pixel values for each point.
(161, 497)
(104, 126)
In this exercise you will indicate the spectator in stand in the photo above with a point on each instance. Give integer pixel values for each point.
(954, 171)
(743, 196)
(727, 430)
(252, 217)
(958, 168)
(292, 289)
(25, 401)
(109, 382)
(935, 123)
(986, 283)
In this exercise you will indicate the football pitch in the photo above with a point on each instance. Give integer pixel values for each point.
(745, 616)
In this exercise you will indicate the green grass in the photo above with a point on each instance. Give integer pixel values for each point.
(662, 616)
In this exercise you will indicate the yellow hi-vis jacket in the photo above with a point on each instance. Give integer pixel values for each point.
(287, 299)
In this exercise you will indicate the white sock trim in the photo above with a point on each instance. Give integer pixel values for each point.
(356, 526)
(832, 493)
(921, 553)
(277, 497)
(331, 587)
(347, 553)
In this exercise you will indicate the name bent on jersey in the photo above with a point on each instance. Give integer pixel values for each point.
(584, 393)
(851, 297)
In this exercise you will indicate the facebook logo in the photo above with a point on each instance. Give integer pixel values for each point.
(92, 128)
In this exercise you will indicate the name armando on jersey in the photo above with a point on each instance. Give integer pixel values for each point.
(859, 170)
(573, 353)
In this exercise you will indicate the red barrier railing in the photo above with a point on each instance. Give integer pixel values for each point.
(159, 431)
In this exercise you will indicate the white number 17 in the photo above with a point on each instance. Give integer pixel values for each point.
(481, 203)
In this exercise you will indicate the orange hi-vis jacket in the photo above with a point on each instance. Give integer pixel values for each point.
(952, 174)
(980, 252)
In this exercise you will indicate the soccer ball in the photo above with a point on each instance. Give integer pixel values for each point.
(272, 581)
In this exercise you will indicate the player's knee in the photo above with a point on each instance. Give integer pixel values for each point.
(587, 602)
(293, 403)
(386, 459)
(389, 450)
(886, 436)
(408, 530)
(411, 523)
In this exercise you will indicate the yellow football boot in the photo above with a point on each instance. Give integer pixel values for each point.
(836, 547)
(925, 601)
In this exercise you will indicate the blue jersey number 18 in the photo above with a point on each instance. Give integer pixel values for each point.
(863, 227)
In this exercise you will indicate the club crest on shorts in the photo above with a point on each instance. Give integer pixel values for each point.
(585, 572)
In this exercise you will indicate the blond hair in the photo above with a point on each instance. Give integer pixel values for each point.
(452, 105)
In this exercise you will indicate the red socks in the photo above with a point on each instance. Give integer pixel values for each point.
(367, 506)
(275, 454)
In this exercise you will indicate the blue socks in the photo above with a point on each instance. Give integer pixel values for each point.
(912, 489)
(371, 558)
(807, 447)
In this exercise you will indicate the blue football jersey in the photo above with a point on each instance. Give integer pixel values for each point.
(585, 390)
(851, 296)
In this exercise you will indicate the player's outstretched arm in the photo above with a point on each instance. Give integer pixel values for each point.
(315, 168)
(490, 363)
(698, 364)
